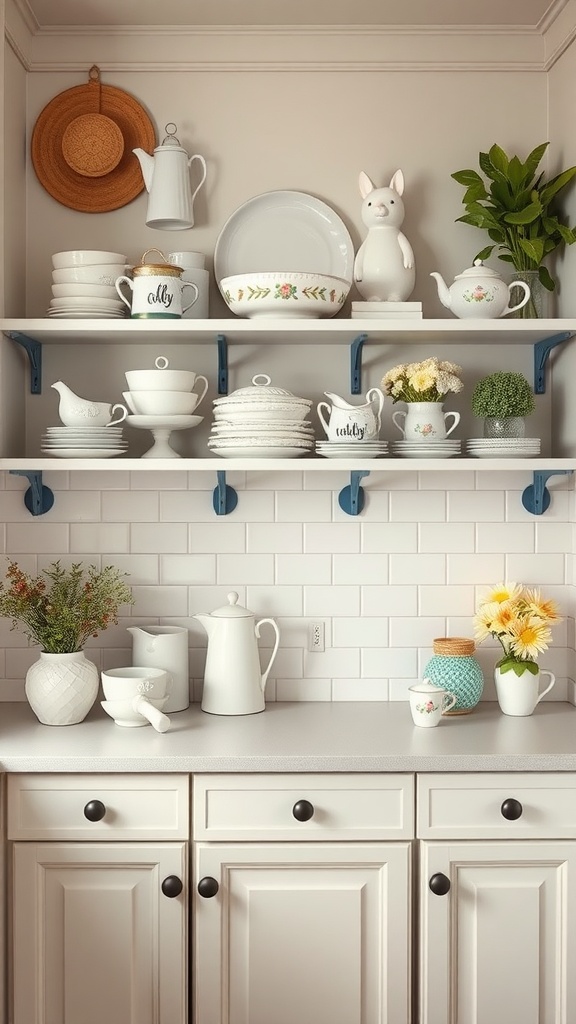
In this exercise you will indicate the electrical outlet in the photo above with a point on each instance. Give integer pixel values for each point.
(316, 637)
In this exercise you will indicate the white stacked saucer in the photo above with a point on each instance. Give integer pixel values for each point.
(503, 447)
(439, 449)
(83, 442)
(351, 449)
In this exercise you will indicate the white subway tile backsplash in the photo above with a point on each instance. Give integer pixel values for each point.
(245, 569)
(418, 568)
(135, 507)
(363, 569)
(385, 537)
(303, 569)
(475, 506)
(410, 568)
(360, 632)
(332, 537)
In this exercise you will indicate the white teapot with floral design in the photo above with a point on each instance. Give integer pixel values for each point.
(479, 293)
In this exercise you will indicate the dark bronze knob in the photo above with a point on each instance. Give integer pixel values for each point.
(511, 809)
(94, 810)
(303, 810)
(208, 887)
(439, 884)
(172, 886)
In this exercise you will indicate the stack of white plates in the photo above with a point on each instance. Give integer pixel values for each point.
(83, 442)
(439, 449)
(352, 449)
(261, 421)
(83, 284)
(503, 447)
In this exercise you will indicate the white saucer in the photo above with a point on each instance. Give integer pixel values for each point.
(260, 453)
(83, 453)
(510, 453)
(167, 422)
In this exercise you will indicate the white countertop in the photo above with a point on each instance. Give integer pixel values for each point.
(295, 737)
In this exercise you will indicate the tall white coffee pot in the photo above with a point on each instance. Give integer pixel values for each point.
(233, 680)
(167, 180)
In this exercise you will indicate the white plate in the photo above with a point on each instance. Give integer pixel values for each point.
(84, 314)
(427, 454)
(258, 442)
(260, 453)
(511, 453)
(346, 453)
(284, 231)
(83, 453)
(166, 422)
(503, 442)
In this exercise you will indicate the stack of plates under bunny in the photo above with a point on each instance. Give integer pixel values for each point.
(261, 421)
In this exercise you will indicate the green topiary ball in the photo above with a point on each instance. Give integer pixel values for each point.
(503, 394)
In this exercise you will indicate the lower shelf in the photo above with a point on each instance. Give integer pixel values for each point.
(304, 465)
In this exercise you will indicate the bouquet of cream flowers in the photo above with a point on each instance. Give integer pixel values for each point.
(520, 619)
(429, 381)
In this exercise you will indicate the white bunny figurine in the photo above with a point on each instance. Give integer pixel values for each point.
(384, 266)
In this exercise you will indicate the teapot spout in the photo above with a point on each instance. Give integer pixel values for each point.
(443, 290)
(146, 166)
(207, 621)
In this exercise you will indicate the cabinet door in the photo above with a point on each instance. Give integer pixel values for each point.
(95, 938)
(302, 933)
(500, 946)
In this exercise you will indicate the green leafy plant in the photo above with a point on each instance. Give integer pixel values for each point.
(516, 209)
(503, 394)
(61, 608)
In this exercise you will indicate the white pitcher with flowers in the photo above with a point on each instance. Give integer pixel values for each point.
(423, 387)
(520, 619)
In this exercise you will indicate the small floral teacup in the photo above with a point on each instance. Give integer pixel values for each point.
(429, 702)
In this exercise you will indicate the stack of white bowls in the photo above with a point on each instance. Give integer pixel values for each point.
(83, 284)
(163, 393)
(261, 421)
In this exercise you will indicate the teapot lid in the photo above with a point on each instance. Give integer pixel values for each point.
(476, 269)
(170, 140)
(232, 610)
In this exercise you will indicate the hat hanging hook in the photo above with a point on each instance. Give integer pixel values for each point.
(171, 138)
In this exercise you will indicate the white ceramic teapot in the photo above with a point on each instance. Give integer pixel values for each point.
(479, 293)
(233, 680)
(352, 422)
(167, 179)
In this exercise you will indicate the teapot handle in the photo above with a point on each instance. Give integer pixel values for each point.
(273, 655)
(526, 289)
(203, 178)
(376, 393)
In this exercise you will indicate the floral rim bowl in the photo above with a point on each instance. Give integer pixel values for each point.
(284, 294)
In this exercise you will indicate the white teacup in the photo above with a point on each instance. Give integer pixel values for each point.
(133, 681)
(429, 702)
(167, 403)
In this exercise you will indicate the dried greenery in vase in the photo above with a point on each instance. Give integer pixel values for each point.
(503, 394)
(61, 608)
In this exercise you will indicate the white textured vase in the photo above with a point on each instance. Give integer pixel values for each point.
(61, 688)
(519, 695)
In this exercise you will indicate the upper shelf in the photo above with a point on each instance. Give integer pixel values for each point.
(304, 332)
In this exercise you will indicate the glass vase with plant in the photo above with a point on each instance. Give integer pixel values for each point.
(503, 399)
(517, 208)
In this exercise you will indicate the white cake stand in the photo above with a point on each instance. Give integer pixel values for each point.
(161, 428)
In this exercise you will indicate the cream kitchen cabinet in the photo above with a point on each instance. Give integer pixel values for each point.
(99, 898)
(302, 899)
(497, 898)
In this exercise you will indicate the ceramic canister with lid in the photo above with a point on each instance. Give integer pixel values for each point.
(454, 667)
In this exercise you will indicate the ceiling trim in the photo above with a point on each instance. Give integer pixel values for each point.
(309, 48)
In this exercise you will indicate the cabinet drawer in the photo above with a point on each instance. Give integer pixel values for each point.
(475, 806)
(255, 807)
(135, 806)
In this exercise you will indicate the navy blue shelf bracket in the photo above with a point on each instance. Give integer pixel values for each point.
(356, 364)
(542, 350)
(536, 497)
(222, 365)
(224, 497)
(38, 498)
(351, 498)
(33, 349)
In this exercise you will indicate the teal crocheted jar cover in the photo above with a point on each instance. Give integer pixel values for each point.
(454, 667)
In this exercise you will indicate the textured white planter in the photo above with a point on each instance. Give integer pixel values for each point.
(61, 688)
(519, 695)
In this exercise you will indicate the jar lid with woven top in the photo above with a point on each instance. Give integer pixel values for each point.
(455, 646)
(166, 269)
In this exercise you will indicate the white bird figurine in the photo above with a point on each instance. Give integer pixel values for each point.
(81, 412)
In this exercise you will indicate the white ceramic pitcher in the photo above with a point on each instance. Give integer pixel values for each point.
(165, 647)
(167, 179)
(352, 422)
(424, 421)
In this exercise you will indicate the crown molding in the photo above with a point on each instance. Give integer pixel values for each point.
(300, 49)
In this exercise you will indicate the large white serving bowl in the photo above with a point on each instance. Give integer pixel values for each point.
(160, 380)
(89, 291)
(85, 258)
(284, 294)
(101, 273)
(163, 403)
